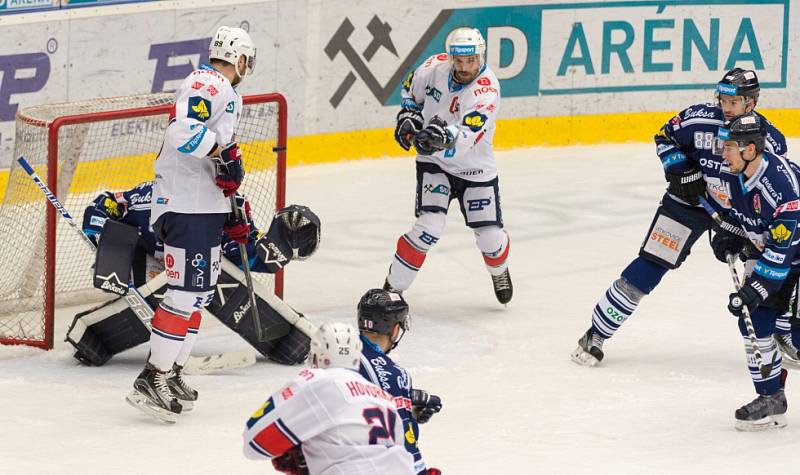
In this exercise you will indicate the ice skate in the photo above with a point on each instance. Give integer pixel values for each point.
(185, 394)
(590, 349)
(503, 289)
(791, 355)
(763, 413)
(152, 396)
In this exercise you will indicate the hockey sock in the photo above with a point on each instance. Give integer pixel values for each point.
(763, 320)
(167, 337)
(616, 305)
(412, 248)
(191, 336)
(782, 325)
(494, 244)
(644, 275)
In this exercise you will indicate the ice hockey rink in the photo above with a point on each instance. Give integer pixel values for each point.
(662, 402)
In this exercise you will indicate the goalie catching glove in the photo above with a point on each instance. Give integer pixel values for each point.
(293, 234)
(434, 137)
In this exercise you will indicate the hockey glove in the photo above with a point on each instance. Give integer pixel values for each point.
(688, 185)
(424, 405)
(273, 249)
(409, 122)
(231, 171)
(434, 137)
(302, 230)
(291, 462)
(752, 294)
(434, 471)
(728, 240)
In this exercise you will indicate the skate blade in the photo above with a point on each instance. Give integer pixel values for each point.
(777, 421)
(583, 358)
(141, 402)
(186, 405)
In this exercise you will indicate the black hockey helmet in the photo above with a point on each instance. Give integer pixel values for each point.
(745, 129)
(739, 82)
(379, 310)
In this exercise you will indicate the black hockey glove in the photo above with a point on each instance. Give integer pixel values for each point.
(729, 239)
(409, 122)
(434, 137)
(302, 230)
(688, 185)
(291, 462)
(424, 405)
(273, 248)
(752, 294)
(230, 173)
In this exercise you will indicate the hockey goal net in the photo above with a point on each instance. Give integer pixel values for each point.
(82, 149)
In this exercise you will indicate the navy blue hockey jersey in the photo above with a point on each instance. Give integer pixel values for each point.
(688, 140)
(133, 207)
(767, 205)
(379, 369)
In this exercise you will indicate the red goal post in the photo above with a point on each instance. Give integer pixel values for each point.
(84, 148)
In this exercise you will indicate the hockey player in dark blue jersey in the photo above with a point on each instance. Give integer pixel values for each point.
(133, 207)
(764, 191)
(383, 320)
(685, 146)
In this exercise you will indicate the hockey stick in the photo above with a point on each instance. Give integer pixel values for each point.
(765, 370)
(134, 298)
(247, 276)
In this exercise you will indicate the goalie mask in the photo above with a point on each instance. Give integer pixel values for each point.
(336, 345)
(378, 312)
(229, 44)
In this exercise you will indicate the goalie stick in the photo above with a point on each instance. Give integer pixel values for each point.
(764, 369)
(135, 300)
(239, 214)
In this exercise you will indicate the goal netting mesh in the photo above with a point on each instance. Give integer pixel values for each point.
(99, 145)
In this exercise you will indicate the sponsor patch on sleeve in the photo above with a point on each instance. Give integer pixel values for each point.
(475, 121)
(782, 231)
(199, 108)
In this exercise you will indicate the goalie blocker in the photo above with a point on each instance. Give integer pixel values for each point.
(101, 332)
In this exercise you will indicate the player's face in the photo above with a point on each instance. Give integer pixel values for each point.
(465, 68)
(735, 156)
(734, 106)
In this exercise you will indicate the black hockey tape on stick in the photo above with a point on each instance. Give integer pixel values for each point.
(765, 370)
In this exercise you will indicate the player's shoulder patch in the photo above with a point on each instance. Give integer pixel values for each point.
(475, 121)
(199, 108)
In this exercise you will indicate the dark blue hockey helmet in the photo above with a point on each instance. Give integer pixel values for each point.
(744, 130)
(379, 310)
(739, 82)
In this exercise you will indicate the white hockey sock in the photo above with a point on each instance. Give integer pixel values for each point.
(412, 248)
(166, 338)
(616, 305)
(188, 342)
(494, 244)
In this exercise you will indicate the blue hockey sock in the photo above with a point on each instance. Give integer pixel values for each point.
(643, 274)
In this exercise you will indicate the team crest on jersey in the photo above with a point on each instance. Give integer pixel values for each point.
(782, 232)
(230, 107)
(199, 108)
(434, 93)
(475, 121)
(757, 203)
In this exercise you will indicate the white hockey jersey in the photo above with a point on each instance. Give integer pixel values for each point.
(347, 425)
(207, 110)
(469, 111)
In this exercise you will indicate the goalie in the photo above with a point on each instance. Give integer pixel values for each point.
(119, 224)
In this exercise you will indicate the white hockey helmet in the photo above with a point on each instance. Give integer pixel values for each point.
(466, 41)
(336, 345)
(229, 44)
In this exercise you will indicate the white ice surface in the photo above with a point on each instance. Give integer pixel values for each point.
(514, 403)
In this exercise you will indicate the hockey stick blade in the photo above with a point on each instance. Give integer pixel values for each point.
(221, 362)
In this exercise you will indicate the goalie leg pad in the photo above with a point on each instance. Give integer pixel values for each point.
(294, 347)
(101, 332)
(673, 232)
(114, 258)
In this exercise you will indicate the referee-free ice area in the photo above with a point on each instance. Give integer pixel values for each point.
(662, 402)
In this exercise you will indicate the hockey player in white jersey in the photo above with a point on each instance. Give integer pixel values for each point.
(448, 113)
(198, 168)
(329, 419)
